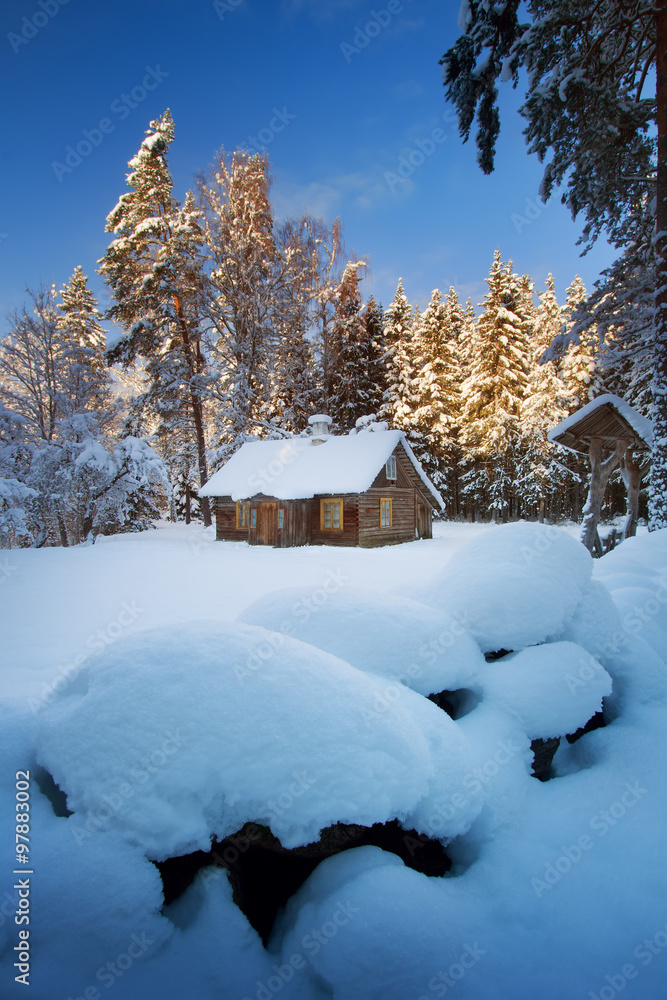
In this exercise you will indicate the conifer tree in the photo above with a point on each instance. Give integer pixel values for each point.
(354, 393)
(398, 403)
(79, 324)
(154, 268)
(493, 393)
(579, 367)
(436, 388)
(541, 472)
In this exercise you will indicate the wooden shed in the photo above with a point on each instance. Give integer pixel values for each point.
(364, 489)
(610, 432)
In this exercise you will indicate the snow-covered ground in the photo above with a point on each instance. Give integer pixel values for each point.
(176, 688)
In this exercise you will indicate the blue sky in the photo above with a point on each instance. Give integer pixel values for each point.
(344, 94)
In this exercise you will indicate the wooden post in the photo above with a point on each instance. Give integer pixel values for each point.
(632, 479)
(600, 473)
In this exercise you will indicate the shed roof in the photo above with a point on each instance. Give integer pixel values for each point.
(296, 469)
(607, 417)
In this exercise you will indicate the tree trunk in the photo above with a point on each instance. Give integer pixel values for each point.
(64, 540)
(187, 503)
(600, 473)
(632, 479)
(193, 361)
(658, 489)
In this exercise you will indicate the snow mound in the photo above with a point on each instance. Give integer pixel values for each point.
(180, 735)
(514, 586)
(553, 689)
(425, 649)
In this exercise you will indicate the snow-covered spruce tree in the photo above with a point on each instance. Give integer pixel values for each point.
(154, 269)
(541, 473)
(375, 347)
(588, 106)
(14, 470)
(398, 403)
(493, 394)
(246, 270)
(579, 365)
(355, 391)
(295, 389)
(436, 389)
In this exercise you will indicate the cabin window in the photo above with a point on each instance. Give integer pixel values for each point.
(253, 518)
(281, 517)
(390, 467)
(242, 514)
(331, 515)
(385, 512)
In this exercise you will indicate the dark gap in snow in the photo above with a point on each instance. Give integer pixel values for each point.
(595, 722)
(456, 703)
(264, 874)
(52, 792)
(497, 654)
(544, 752)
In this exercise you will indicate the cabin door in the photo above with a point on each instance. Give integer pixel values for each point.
(423, 520)
(268, 524)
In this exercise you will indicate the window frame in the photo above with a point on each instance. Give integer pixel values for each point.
(242, 514)
(383, 509)
(281, 518)
(391, 463)
(341, 506)
(253, 517)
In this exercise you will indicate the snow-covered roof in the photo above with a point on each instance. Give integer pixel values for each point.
(297, 469)
(566, 431)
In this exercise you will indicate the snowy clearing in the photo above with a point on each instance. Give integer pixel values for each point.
(177, 688)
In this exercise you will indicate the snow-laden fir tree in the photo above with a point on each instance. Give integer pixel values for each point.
(295, 391)
(154, 269)
(541, 472)
(579, 366)
(436, 389)
(494, 391)
(89, 381)
(398, 402)
(354, 391)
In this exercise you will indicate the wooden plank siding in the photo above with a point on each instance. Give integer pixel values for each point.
(350, 532)
(402, 529)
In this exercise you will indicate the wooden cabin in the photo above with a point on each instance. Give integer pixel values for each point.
(364, 489)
